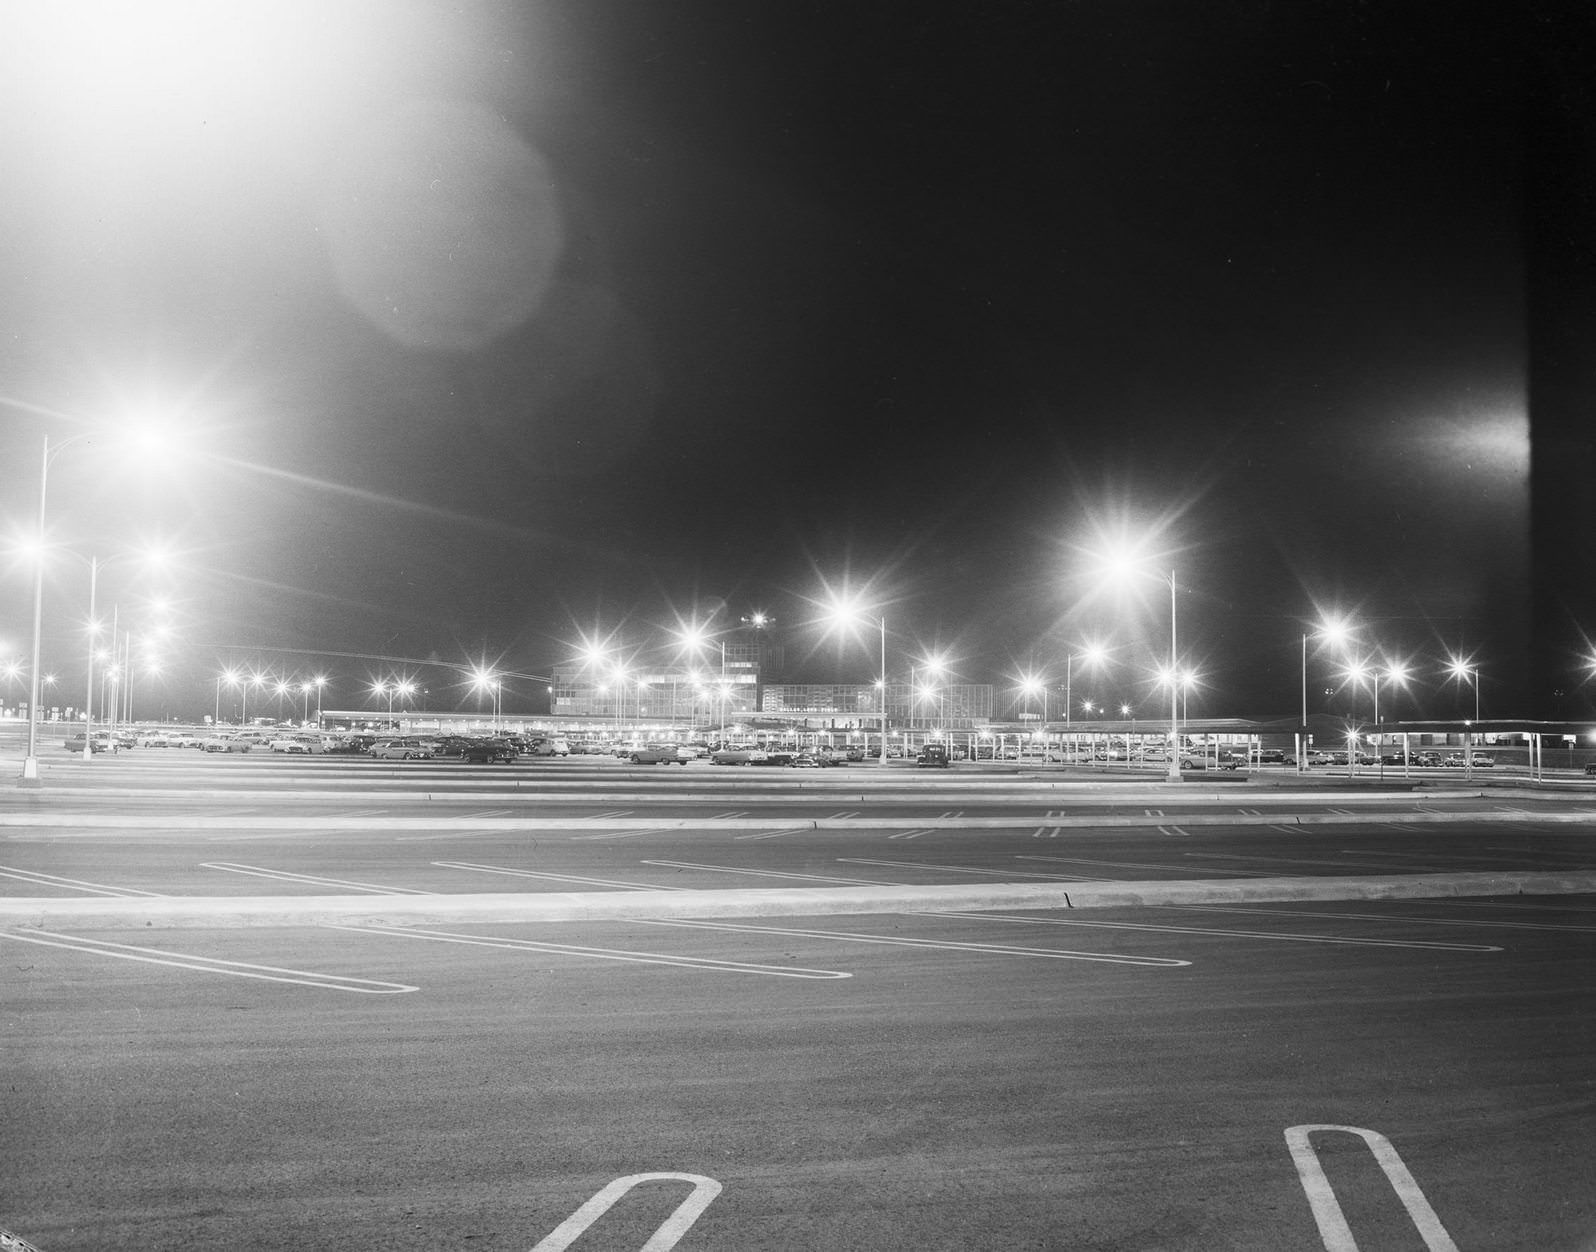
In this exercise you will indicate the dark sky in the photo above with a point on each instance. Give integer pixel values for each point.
(491, 326)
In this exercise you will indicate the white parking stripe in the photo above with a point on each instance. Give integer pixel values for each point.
(773, 834)
(904, 941)
(1327, 1214)
(611, 836)
(315, 880)
(1227, 934)
(1174, 830)
(962, 869)
(602, 954)
(571, 878)
(775, 873)
(55, 880)
(665, 1236)
(910, 834)
(208, 964)
(1180, 869)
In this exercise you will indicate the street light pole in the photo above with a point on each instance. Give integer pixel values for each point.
(88, 696)
(1174, 721)
(30, 763)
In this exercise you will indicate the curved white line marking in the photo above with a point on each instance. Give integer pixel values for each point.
(1332, 1223)
(665, 1237)
(209, 964)
(603, 954)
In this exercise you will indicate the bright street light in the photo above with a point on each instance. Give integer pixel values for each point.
(845, 613)
(1121, 566)
(1333, 630)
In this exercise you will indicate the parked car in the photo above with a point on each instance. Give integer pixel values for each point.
(934, 755)
(399, 750)
(1271, 756)
(550, 747)
(297, 744)
(656, 754)
(487, 752)
(1429, 760)
(225, 743)
(1590, 767)
(737, 756)
(101, 743)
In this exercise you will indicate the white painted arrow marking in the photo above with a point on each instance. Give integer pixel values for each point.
(664, 1237)
(1333, 1228)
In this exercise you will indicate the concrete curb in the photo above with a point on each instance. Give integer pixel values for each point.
(175, 913)
(98, 823)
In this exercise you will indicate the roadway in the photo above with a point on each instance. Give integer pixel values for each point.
(535, 982)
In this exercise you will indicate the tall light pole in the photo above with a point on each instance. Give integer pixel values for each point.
(1460, 669)
(1122, 565)
(30, 762)
(843, 613)
(88, 695)
(1174, 724)
(1335, 630)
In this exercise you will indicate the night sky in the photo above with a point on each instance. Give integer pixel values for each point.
(485, 328)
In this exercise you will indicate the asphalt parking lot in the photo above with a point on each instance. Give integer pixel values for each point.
(484, 1039)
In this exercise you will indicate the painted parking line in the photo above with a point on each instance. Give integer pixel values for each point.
(610, 813)
(41, 879)
(776, 873)
(1050, 832)
(1284, 937)
(845, 813)
(602, 954)
(1293, 861)
(904, 941)
(1471, 922)
(910, 834)
(665, 1236)
(720, 817)
(1327, 1215)
(952, 813)
(1175, 831)
(963, 869)
(208, 964)
(1179, 869)
(481, 814)
(314, 880)
(565, 878)
(612, 836)
(772, 834)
